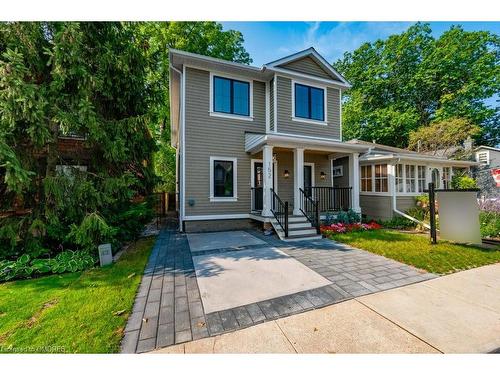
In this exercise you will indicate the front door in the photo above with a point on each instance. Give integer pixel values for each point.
(258, 184)
(308, 180)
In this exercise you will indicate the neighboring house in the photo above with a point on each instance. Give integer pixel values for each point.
(251, 141)
(488, 172)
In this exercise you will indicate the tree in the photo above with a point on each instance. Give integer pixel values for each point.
(442, 135)
(60, 79)
(412, 79)
(155, 39)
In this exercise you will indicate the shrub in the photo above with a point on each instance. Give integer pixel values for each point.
(345, 228)
(25, 267)
(463, 182)
(92, 231)
(399, 222)
(489, 223)
(344, 217)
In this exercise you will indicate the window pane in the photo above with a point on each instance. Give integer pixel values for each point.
(223, 178)
(317, 103)
(301, 101)
(241, 99)
(222, 95)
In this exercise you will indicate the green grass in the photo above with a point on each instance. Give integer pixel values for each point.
(416, 250)
(72, 313)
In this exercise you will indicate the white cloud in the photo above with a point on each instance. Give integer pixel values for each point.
(332, 41)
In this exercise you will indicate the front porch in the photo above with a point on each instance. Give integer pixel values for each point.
(295, 176)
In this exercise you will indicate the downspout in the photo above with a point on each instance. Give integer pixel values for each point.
(394, 204)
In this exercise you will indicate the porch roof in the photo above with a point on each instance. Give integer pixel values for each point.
(388, 157)
(255, 141)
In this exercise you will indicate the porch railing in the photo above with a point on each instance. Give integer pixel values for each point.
(310, 209)
(331, 198)
(280, 211)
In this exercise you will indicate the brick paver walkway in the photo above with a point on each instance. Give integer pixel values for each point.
(168, 308)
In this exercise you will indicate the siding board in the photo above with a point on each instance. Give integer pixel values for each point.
(307, 65)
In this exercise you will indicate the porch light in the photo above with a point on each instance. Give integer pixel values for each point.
(322, 175)
(286, 174)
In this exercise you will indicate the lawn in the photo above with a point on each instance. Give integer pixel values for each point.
(416, 250)
(82, 312)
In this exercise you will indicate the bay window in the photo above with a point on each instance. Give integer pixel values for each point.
(381, 184)
(366, 178)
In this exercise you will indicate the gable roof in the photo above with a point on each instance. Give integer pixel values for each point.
(313, 54)
(381, 147)
(487, 148)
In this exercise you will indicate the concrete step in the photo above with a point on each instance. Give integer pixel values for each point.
(302, 224)
(310, 237)
(296, 232)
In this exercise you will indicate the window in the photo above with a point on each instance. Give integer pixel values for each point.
(446, 178)
(410, 178)
(309, 102)
(435, 178)
(421, 178)
(366, 178)
(482, 157)
(223, 179)
(381, 177)
(231, 96)
(399, 178)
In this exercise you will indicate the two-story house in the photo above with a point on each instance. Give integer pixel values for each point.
(265, 145)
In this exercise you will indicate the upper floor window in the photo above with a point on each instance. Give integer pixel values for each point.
(309, 102)
(231, 96)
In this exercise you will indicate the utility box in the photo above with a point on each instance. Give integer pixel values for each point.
(105, 254)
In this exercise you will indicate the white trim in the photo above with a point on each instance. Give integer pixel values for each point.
(217, 217)
(340, 114)
(487, 152)
(343, 144)
(325, 104)
(212, 59)
(234, 198)
(275, 103)
(275, 172)
(315, 79)
(211, 111)
(183, 147)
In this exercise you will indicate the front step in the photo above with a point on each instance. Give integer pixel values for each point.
(299, 229)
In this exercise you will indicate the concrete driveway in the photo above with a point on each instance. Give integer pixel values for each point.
(459, 313)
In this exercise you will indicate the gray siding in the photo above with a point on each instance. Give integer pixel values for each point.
(342, 181)
(271, 105)
(494, 159)
(284, 113)
(214, 136)
(404, 203)
(376, 206)
(307, 66)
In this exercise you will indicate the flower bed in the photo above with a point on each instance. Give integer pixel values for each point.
(345, 228)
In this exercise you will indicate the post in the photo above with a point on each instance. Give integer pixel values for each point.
(354, 180)
(267, 164)
(298, 178)
(432, 209)
(318, 230)
(286, 219)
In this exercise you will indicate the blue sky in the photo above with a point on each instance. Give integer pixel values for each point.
(268, 41)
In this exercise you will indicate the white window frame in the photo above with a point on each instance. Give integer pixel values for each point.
(446, 183)
(234, 198)
(229, 115)
(419, 179)
(380, 178)
(401, 178)
(407, 179)
(361, 179)
(325, 103)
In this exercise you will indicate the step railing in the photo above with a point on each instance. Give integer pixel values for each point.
(280, 211)
(331, 198)
(310, 209)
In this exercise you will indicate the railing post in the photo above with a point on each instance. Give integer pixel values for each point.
(318, 230)
(286, 219)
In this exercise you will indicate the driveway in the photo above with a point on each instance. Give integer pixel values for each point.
(202, 285)
(458, 313)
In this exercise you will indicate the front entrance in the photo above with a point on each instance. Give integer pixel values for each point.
(308, 179)
(258, 184)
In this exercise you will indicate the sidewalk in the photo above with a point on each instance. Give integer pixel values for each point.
(459, 313)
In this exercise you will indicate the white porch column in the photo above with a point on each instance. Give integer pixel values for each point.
(267, 165)
(298, 178)
(354, 180)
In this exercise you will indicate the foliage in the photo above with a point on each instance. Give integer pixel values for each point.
(489, 217)
(343, 217)
(416, 250)
(25, 267)
(331, 229)
(398, 222)
(463, 182)
(413, 79)
(92, 230)
(82, 312)
(442, 135)
(155, 39)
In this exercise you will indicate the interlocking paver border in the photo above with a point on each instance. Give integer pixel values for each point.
(168, 308)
